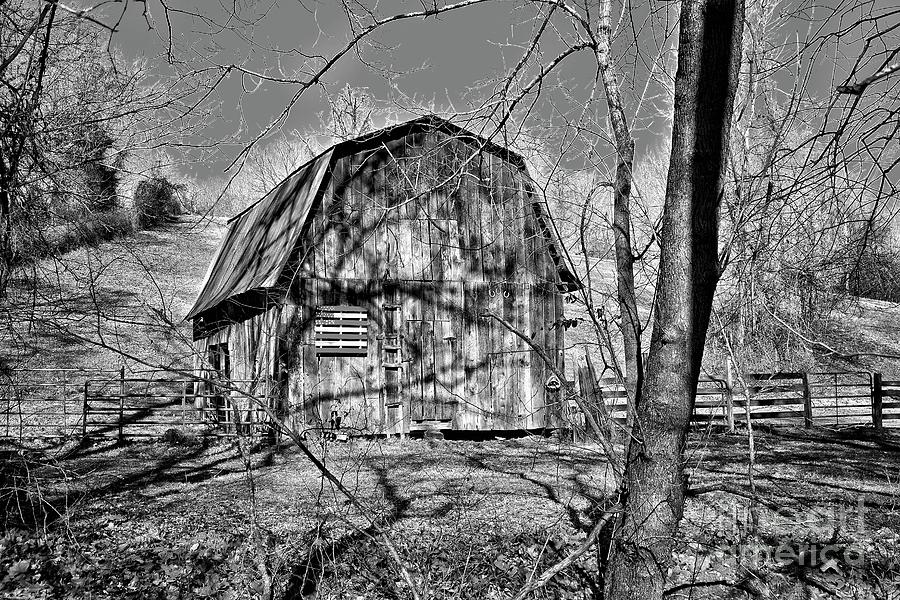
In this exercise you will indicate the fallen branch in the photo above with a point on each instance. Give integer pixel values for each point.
(588, 542)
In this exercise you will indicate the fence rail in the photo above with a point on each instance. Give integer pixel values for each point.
(44, 403)
(814, 399)
(60, 403)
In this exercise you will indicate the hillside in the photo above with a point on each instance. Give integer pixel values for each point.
(129, 294)
(862, 335)
(132, 294)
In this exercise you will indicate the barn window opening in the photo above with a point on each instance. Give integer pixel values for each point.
(342, 331)
(216, 397)
(219, 360)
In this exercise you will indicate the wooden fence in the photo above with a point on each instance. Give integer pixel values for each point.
(59, 403)
(835, 399)
(65, 403)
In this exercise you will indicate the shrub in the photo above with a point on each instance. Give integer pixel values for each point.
(877, 274)
(155, 202)
(92, 229)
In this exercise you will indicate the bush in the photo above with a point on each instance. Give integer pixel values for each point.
(877, 275)
(155, 202)
(93, 229)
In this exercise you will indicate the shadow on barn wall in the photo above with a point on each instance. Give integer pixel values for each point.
(358, 288)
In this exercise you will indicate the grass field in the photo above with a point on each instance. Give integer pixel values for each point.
(130, 294)
(474, 519)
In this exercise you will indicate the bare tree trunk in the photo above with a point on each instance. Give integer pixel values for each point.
(653, 495)
(630, 324)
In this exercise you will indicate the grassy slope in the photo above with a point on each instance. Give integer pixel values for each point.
(867, 326)
(866, 331)
(129, 294)
(132, 294)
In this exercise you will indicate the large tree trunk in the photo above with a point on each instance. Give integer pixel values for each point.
(653, 495)
(630, 324)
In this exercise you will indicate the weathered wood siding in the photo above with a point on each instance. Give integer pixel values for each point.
(430, 349)
(429, 235)
(252, 352)
(427, 207)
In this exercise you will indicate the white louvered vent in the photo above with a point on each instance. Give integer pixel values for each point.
(342, 331)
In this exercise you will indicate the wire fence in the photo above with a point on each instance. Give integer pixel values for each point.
(62, 403)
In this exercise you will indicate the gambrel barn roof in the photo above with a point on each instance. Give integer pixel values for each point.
(261, 239)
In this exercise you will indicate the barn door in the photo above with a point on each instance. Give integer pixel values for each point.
(509, 404)
(343, 393)
(342, 351)
(429, 351)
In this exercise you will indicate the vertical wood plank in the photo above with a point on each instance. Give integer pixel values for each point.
(498, 370)
(807, 401)
(558, 331)
(372, 297)
(470, 221)
(538, 368)
(429, 402)
(439, 360)
(455, 349)
(517, 201)
(523, 352)
(483, 371)
(488, 221)
(512, 357)
(502, 182)
(467, 412)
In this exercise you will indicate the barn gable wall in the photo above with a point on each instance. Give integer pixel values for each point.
(427, 207)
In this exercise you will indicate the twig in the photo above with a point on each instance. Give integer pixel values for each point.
(588, 542)
(856, 89)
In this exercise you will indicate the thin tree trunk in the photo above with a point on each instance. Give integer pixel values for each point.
(630, 324)
(653, 496)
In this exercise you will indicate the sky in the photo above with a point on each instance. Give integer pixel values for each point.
(440, 61)
(443, 60)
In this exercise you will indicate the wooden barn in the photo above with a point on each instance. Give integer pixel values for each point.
(361, 289)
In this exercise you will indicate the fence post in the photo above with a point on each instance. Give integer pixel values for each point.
(84, 410)
(729, 396)
(64, 411)
(122, 404)
(807, 401)
(877, 395)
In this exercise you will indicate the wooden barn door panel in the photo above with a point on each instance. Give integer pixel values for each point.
(445, 376)
(499, 388)
(512, 405)
(342, 391)
(420, 376)
(430, 385)
(356, 410)
(324, 387)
